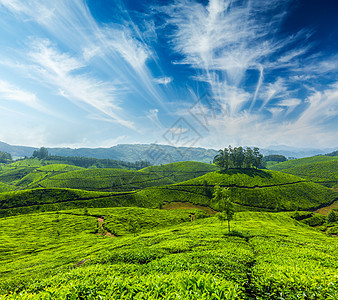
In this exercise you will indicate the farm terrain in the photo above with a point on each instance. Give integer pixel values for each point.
(69, 232)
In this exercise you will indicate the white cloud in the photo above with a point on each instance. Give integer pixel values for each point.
(289, 104)
(12, 92)
(163, 80)
(64, 73)
(153, 116)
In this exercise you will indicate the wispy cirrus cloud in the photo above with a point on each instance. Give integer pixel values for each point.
(64, 73)
(163, 80)
(115, 50)
(225, 39)
(235, 47)
(10, 92)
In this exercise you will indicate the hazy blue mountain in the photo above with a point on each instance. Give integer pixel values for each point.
(156, 154)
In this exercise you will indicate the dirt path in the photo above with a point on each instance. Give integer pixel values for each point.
(106, 233)
(188, 205)
(325, 210)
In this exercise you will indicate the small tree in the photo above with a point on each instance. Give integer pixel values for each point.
(42, 153)
(331, 217)
(222, 197)
(222, 217)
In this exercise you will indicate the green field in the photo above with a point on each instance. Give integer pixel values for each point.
(321, 169)
(302, 161)
(73, 233)
(267, 256)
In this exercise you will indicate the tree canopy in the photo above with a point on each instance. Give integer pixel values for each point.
(5, 157)
(42, 153)
(238, 158)
(222, 197)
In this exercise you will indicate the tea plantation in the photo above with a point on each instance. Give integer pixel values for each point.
(68, 232)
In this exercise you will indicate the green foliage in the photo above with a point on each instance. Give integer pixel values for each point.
(325, 172)
(315, 220)
(333, 230)
(186, 167)
(124, 180)
(34, 178)
(120, 219)
(87, 162)
(222, 197)
(5, 188)
(267, 256)
(42, 153)
(238, 157)
(332, 217)
(5, 157)
(302, 161)
(334, 153)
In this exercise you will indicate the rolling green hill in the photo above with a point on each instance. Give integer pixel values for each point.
(74, 233)
(322, 169)
(267, 256)
(35, 176)
(182, 167)
(5, 187)
(249, 190)
(302, 161)
(325, 172)
(125, 180)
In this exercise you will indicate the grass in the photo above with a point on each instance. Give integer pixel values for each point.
(5, 187)
(34, 178)
(301, 162)
(267, 256)
(325, 172)
(124, 180)
(253, 190)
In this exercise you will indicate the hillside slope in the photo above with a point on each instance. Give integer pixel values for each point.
(250, 189)
(302, 161)
(125, 180)
(321, 169)
(61, 256)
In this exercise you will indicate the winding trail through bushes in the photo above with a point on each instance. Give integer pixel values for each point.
(106, 232)
(325, 210)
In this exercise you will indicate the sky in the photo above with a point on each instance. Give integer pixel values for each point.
(98, 73)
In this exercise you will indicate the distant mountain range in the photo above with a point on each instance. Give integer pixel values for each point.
(156, 154)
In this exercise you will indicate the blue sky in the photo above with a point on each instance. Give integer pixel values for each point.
(98, 73)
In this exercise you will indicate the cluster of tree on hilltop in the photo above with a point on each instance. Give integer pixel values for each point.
(87, 162)
(239, 158)
(5, 157)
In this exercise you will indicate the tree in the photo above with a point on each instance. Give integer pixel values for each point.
(219, 159)
(222, 198)
(5, 157)
(331, 217)
(257, 158)
(42, 153)
(248, 158)
(238, 157)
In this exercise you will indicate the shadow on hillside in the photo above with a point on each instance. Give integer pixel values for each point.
(248, 172)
